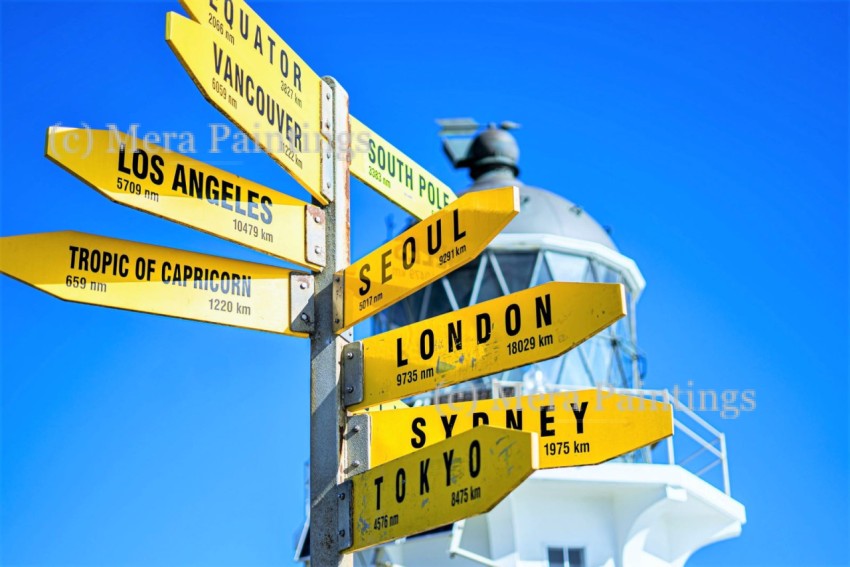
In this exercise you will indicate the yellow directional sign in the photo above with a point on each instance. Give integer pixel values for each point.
(583, 427)
(235, 23)
(448, 481)
(140, 277)
(507, 332)
(173, 186)
(423, 253)
(384, 168)
(253, 95)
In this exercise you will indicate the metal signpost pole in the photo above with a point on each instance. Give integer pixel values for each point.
(327, 414)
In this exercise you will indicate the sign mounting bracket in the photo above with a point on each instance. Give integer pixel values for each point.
(301, 303)
(314, 239)
(352, 373)
(358, 437)
(344, 525)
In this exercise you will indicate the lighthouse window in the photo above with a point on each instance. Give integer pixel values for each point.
(543, 274)
(556, 557)
(575, 557)
(569, 557)
(438, 302)
(489, 287)
(516, 268)
(461, 281)
(567, 268)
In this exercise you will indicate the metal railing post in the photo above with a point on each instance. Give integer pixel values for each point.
(726, 486)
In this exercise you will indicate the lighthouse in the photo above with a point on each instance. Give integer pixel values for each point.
(652, 507)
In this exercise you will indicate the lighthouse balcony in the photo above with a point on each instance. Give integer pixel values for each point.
(695, 446)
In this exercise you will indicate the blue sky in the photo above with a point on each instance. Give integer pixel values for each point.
(712, 137)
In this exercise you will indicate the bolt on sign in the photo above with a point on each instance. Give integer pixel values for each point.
(387, 170)
(580, 427)
(152, 279)
(423, 253)
(453, 479)
(176, 187)
(250, 91)
(493, 336)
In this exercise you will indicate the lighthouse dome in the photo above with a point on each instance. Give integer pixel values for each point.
(492, 158)
(544, 212)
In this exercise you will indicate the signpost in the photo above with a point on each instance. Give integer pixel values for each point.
(387, 170)
(176, 187)
(507, 332)
(426, 466)
(448, 481)
(252, 95)
(423, 253)
(581, 427)
(140, 277)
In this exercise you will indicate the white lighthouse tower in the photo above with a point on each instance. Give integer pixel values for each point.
(653, 507)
